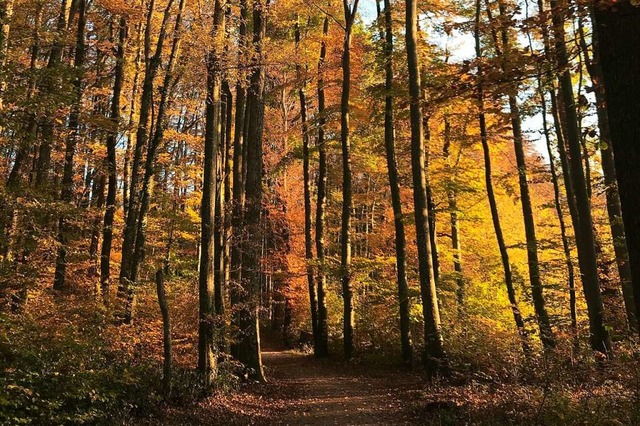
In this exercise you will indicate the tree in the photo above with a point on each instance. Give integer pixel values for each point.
(213, 132)
(111, 141)
(249, 347)
(308, 241)
(614, 209)
(396, 201)
(434, 355)
(503, 49)
(72, 141)
(493, 205)
(347, 197)
(600, 339)
(321, 198)
(616, 26)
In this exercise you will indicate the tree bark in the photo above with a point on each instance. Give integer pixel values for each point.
(249, 347)
(495, 216)
(542, 317)
(207, 362)
(394, 186)
(600, 339)
(308, 239)
(59, 281)
(614, 210)
(619, 42)
(321, 202)
(112, 185)
(434, 355)
(347, 197)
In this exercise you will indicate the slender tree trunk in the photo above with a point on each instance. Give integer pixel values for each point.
(213, 131)
(130, 247)
(112, 185)
(452, 198)
(308, 238)
(495, 216)
(321, 202)
(546, 333)
(49, 83)
(434, 356)
(619, 43)
(394, 186)
(600, 339)
(59, 281)
(238, 233)
(347, 202)
(152, 149)
(558, 206)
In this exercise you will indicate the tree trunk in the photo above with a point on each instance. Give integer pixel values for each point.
(129, 264)
(249, 347)
(238, 233)
(394, 186)
(347, 202)
(452, 198)
(614, 210)
(546, 333)
(308, 239)
(619, 42)
(112, 185)
(495, 216)
(600, 339)
(59, 281)
(213, 131)
(49, 83)
(434, 356)
(321, 202)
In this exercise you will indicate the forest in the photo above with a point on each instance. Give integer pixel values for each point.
(220, 212)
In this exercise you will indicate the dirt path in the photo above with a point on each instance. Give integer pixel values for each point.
(303, 390)
(323, 392)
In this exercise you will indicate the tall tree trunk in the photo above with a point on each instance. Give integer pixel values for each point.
(308, 239)
(213, 131)
(49, 83)
(249, 348)
(546, 333)
(554, 173)
(394, 186)
(619, 43)
(321, 202)
(59, 281)
(153, 145)
(614, 210)
(452, 198)
(152, 63)
(238, 233)
(434, 356)
(600, 339)
(347, 202)
(495, 216)
(112, 185)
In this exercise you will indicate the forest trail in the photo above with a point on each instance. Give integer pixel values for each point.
(304, 390)
(313, 391)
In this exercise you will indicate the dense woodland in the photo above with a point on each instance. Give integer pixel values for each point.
(443, 192)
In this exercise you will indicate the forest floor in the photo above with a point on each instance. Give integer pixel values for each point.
(303, 390)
